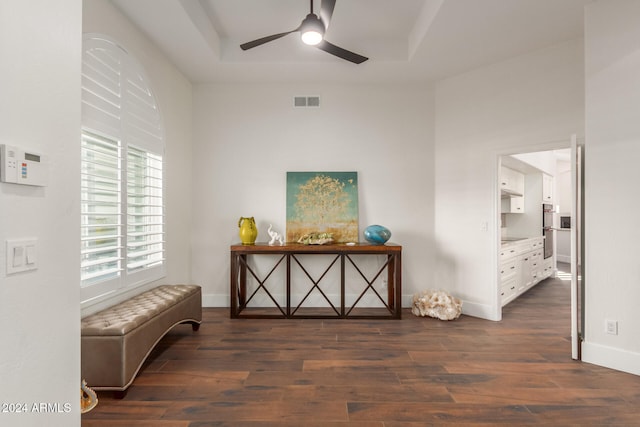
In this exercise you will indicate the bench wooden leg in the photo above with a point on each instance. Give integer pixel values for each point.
(119, 394)
(194, 325)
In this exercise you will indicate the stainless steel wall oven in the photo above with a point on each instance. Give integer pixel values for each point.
(547, 229)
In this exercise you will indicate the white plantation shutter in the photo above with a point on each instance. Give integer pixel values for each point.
(101, 211)
(122, 172)
(145, 212)
(140, 117)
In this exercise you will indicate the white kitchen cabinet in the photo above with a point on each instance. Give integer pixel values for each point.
(511, 181)
(508, 290)
(526, 278)
(536, 266)
(509, 274)
(508, 269)
(506, 178)
(513, 204)
(511, 190)
(521, 267)
(547, 268)
(535, 244)
(507, 252)
(547, 188)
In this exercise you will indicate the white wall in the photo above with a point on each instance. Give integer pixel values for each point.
(246, 137)
(39, 310)
(173, 95)
(520, 105)
(612, 153)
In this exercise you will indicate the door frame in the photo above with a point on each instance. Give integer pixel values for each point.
(577, 247)
(577, 207)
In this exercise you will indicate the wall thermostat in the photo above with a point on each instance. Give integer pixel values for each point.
(18, 166)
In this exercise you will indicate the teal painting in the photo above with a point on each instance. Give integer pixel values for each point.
(322, 202)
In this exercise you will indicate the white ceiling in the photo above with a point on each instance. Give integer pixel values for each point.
(406, 40)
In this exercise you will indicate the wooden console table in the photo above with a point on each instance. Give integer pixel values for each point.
(295, 254)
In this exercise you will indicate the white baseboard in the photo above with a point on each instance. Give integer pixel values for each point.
(468, 308)
(610, 357)
(215, 300)
(563, 258)
(482, 311)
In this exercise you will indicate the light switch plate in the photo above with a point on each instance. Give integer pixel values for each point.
(17, 256)
(21, 255)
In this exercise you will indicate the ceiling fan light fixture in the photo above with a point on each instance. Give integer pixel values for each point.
(311, 30)
(311, 38)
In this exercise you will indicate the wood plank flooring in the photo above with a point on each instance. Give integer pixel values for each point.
(376, 373)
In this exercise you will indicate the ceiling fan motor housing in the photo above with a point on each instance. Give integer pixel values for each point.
(311, 30)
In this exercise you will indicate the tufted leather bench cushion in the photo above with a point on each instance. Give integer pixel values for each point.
(115, 342)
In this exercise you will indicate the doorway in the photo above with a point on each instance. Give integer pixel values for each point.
(541, 208)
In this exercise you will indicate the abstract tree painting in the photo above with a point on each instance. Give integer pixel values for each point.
(322, 202)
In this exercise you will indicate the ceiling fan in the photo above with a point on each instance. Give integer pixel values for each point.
(312, 31)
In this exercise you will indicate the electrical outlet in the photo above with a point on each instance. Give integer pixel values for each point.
(611, 327)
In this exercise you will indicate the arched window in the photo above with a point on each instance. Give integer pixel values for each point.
(122, 209)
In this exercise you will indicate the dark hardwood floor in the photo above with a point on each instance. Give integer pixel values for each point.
(374, 373)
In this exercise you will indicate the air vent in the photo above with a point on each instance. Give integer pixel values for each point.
(306, 101)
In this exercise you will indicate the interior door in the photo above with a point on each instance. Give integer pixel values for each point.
(577, 247)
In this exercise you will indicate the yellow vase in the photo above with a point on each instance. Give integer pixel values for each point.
(248, 230)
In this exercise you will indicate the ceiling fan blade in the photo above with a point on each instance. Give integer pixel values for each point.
(263, 40)
(341, 53)
(326, 11)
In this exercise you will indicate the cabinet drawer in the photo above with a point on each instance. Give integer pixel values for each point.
(535, 243)
(508, 252)
(508, 291)
(536, 275)
(508, 268)
(536, 259)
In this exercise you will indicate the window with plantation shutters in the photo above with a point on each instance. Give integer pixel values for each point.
(122, 209)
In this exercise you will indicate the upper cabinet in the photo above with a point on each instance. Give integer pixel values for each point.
(511, 181)
(547, 188)
(513, 204)
(512, 190)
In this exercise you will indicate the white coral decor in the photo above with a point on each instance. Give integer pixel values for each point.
(438, 304)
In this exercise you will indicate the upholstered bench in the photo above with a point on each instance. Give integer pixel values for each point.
(115, 342)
